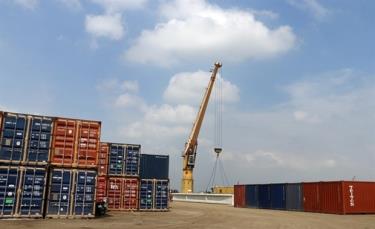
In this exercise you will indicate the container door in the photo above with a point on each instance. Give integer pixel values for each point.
(130, 194)
(132, 161)
(101, 190)
(88, 147)
(294, 197)
(161, 194)
(311, 202)
(84, 193)
(12, 138)
(116, 159)
(39, 140)
(277, 196)
(9, 179)
(114, 193)
(146, 195)
(264, 196)
(60, 190)
(330, 196)
(239, 196)
(32, 192)
(251, 196)
(63, 142)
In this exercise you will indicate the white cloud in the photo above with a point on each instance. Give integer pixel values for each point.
(189, 87)
(131, 86)
(312, 6)
(180, 114)
(127, 100)
(115, 6)
(197, 30)
(28, 4)
(107, 26)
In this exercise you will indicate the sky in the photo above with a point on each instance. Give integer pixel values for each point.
(298, 79)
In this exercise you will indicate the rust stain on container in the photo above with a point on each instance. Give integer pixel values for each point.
(239, 196)
(339, 197)
(103, 159)
(75, 143)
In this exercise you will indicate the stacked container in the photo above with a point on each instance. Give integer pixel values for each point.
(24, 158)
(337, 197)
(74, 164)
(119, 176)
(154, 183)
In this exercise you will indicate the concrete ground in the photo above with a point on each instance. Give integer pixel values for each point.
(194, 216)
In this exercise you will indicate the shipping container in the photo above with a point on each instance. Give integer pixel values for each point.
(277, 196)
(239, 196)
(340, 197)
(161, 194)
(13, 134)
(222, 190)
(124, 160)
(264, 196)
(251, 196)
(154, 167)
(294, 197)
(103, 159)
(1, 121)
(39, 140)
(71, 193)
(146, 195)
(32, 192)
(9, 181)
(122, 193)
(101, 189)
(75, 143)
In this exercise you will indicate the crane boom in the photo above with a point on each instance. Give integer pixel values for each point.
(191, 145)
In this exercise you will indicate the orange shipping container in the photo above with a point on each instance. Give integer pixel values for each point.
(103, 159)
(75, 143)
(101, 189)
(239, 196)
(123, 193)
(339, 197)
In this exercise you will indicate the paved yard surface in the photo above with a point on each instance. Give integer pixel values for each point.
(193, 216)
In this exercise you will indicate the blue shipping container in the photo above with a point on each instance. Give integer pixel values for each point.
(277, 196)
(161, 194)
(60, 186)
(33, 187)
(84, 194)
(251, 196)
(39, 141)
(154, 167)
(132, 160)
(116, 159)
(146, 195)
(9, 180)
(12, 137)
(264, 196)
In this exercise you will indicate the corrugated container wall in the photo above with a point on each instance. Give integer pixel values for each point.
(277, 196)
(103, 159)
(251, 194)
(154, 166)
(359, 197)
(239, 196)
(264, 196)
(75, 143)
(311, 201)
(71, 193)
(101, 189)
(124, 160)
(294, 197)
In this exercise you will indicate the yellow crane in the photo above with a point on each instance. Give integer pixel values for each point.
(190, 151)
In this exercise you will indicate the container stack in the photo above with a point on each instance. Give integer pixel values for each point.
(74, 164)
(24, 158)
(118, 181)
(336, 197)
(154, 183)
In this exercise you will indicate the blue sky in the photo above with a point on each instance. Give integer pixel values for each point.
(298, 78)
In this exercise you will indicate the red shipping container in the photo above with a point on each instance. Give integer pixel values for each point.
(101, 189)
(239, 196)
(122, 193)
(103, 159)
(1, 118)
(340, 197)
(75, 143)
